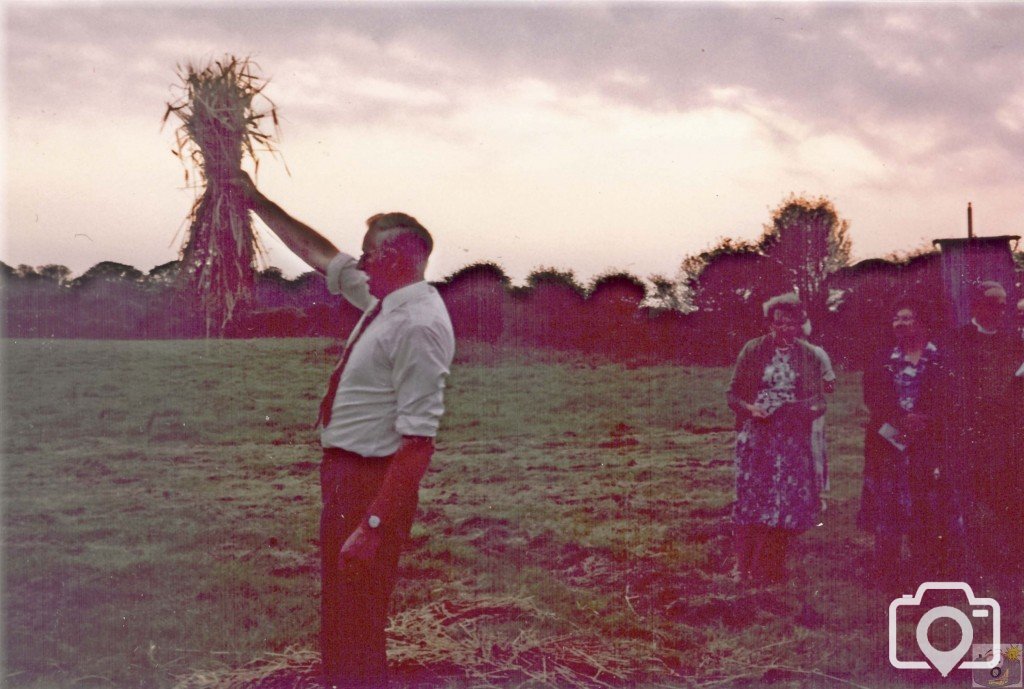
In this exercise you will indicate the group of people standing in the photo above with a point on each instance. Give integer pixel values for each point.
(944, 427)
(943, 450)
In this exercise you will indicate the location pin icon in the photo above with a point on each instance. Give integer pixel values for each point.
(944, 661)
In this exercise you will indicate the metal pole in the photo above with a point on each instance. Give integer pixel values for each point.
(970, 221)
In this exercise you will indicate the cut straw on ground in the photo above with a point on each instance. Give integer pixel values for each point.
(477, 642)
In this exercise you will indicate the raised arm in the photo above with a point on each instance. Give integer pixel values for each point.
(301, 239)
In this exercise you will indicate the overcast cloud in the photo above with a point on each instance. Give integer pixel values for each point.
(918, 107)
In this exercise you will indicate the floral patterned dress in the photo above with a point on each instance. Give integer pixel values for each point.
(886, 501)
(776, 483)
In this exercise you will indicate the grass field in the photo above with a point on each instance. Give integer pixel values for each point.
(160, 508)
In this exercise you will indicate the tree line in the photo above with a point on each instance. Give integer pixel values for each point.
(700, 316)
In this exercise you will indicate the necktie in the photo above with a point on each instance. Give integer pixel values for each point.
(327, 403)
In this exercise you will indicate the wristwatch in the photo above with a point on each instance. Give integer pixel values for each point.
(373, 521)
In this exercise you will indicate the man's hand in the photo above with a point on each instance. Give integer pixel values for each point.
(241, 181)
(301, 239)
(359, 550)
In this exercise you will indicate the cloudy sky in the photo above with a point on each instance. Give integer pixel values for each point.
(580, 136)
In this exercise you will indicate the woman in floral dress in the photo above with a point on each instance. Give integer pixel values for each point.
(901, 391)
(776, 393)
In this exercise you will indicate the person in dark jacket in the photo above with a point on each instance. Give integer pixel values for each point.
(776, 393)
(982, 468)
(901, 391)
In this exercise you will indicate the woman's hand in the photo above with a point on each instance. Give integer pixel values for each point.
(757, 411)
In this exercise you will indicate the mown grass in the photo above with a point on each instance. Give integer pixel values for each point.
(161, 504)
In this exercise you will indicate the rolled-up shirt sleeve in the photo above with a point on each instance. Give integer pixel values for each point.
(345, 278)
(828, 374)
(422, 360)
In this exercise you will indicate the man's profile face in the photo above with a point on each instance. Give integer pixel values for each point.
(379, 261)
(989, 311)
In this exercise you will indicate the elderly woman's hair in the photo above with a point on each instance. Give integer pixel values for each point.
(926, 313)
(912, 303)
(788, 303)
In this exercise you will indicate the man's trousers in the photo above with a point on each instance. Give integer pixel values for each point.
(354, 603)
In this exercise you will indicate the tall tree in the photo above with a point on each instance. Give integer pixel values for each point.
(809, 241)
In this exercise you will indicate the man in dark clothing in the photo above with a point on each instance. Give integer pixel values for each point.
(982, 360)
(378, 421)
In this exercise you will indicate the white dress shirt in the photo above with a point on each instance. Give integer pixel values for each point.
(393, 383)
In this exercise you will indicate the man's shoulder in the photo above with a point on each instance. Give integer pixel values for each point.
(753, 353)
(425, 312)
(757, 344)
(426, 306)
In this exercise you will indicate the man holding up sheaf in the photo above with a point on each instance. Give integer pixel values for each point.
(378, 420)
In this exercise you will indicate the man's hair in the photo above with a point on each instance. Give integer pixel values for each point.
(989, 289)
(788, 303)
(406, 226)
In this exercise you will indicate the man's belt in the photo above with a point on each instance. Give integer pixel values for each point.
(337, 454)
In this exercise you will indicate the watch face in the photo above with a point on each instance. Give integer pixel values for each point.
(373, 521)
